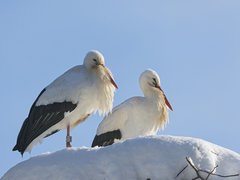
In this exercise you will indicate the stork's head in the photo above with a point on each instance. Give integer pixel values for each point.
(94, 60)
(150, 83)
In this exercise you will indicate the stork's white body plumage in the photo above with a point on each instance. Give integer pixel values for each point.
(80, 85)
(134, 117)
(85, 89)
(137, 116)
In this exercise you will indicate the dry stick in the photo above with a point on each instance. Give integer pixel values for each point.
(214, 153)
(181, 171)
(196, 170)
(219, 175)
(209, 173)
(212, 172)
(196, 178)
(199, 170)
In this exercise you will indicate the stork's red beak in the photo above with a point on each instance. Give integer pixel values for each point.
(113, 82)
(165, 98)
(109, 74)
(167, 103)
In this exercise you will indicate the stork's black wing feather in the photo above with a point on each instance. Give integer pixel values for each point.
(40, 119)
(107, 138)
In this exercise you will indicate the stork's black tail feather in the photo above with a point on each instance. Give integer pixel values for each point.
(20, 145)
(40, 119)
(107, 138)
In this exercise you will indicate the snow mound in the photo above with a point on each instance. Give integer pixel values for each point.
(152, 158)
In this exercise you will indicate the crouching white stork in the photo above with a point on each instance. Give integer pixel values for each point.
(68, 101)
(137, 116)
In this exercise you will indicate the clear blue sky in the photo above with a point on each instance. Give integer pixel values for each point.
(193, 45)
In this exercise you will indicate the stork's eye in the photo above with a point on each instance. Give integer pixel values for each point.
(95, 61)
(154, 80)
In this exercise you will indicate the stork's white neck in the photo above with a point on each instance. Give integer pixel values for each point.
(106, 92)
(157, 98)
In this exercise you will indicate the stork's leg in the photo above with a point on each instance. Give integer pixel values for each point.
(68, 137)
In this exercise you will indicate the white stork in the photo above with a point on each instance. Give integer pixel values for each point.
(137, 116)
(68, 101)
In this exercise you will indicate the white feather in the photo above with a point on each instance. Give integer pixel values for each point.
(138, 116)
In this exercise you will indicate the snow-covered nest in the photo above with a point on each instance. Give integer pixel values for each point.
(155, 158)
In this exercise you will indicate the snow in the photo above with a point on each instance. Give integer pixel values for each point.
(153, 157)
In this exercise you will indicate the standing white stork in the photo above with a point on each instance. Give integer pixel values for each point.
(137, 116)
(68, 101)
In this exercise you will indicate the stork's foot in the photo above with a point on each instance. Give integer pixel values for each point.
(68, 141)
(68, 145)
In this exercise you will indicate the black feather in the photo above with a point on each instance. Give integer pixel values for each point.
(52, 133)
(40, 119)
(107, 138)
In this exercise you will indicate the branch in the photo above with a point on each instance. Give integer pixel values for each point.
(195, 169)
(212, 172)
(181, 171)
(209, 173)
(219, 175)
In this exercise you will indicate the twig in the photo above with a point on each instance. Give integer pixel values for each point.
(214, 153)
(219, 175)
(181, 171)
(195, 169)
(209, 173)
(212, 172)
